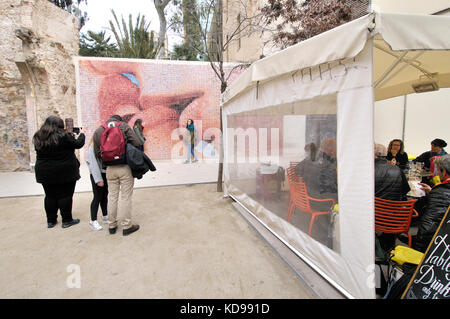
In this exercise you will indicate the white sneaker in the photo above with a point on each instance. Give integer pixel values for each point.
(95, 225)
(105, 220)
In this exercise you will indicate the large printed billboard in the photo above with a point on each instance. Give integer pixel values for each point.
(164, 94)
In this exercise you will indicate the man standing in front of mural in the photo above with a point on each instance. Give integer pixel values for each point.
(118, 174)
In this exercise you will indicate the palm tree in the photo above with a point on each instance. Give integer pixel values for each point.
(95, 44)
(134, 41)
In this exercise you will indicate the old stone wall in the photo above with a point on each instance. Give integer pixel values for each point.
(37, 74)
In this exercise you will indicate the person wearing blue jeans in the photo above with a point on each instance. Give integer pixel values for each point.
(190, 141)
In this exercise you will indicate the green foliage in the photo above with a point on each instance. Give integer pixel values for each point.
(185, 52)
(187, 21)
(134, 41)
(95, 44)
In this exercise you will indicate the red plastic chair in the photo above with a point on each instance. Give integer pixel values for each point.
(300, 199)
(394, 217)
(291, 174)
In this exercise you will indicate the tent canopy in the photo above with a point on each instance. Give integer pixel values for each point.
(320, 89)
(407, 49)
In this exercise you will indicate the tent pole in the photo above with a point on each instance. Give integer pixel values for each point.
(409, 62)
(404, 117)
(387, 79)
(389, 70)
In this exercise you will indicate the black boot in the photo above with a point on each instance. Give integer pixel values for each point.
(130, 230)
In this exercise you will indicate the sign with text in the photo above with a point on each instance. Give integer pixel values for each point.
(432, 277)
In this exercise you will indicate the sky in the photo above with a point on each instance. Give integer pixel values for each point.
(99, 13)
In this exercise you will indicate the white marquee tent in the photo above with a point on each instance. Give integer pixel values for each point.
(325, 88)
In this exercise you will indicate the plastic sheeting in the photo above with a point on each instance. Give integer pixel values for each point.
(271, 126)
(324, 88)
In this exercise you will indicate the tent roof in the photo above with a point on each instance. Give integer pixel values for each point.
(407, 48)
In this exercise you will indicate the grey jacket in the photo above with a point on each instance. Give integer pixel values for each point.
(94, 165)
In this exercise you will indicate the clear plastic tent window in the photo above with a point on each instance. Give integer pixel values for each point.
(266, 146)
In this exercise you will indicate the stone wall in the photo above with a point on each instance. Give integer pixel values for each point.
(37, 74)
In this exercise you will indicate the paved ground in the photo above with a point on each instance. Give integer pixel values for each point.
(192, 244)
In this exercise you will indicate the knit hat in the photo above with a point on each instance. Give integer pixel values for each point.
(439, 142)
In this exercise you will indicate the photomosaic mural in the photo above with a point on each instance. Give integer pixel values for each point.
(164, 94)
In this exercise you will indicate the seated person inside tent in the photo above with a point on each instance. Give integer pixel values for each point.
(308, 170)
(328, 169)
(438, 201)
(437, 149)
(396, 154)
(390, 184)
(390, 181)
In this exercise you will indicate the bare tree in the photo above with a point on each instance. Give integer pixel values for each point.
(297, 20)
(209, 22)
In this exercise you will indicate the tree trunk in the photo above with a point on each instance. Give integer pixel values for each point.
(159, 6)
(220, 172)
(223, 87)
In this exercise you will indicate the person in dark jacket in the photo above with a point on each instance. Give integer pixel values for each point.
(327, 163)
(57, 169)
(391, 184)
(309, 170)
(390, 181)
(437, 148)
(438, 201)
(396, 154)
(138, 130)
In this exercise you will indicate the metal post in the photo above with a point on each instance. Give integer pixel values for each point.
(404, 117)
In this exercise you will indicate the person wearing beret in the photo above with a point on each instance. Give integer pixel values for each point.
(437, 149)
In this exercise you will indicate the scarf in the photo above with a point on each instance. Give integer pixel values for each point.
(190, 127)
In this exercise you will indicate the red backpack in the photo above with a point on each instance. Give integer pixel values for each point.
(112, 145)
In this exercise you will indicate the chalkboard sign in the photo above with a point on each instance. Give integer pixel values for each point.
(432, 277)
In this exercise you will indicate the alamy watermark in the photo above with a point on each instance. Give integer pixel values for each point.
(74, 279)
(250, 145)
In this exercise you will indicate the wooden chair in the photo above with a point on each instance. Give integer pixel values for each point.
(394, 217)
(300, 199)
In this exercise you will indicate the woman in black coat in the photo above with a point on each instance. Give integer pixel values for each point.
(438, 201)
(57, 169)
